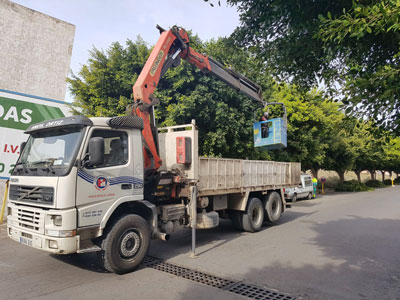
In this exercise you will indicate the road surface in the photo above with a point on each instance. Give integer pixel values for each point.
(341, 246)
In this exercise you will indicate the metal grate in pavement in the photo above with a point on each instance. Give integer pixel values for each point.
(207, 279)
(255, 292)
(239, 288)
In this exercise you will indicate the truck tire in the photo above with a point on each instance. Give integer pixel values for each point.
(309, 196)
(273, 207)
(125, 244)
(253, 219)
(294, 199)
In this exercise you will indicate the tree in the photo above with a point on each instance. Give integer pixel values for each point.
(362, 142)
(392, 153)
(352, 46)
(367, 39)
(103, 87)
(312, 120)
(224, 118)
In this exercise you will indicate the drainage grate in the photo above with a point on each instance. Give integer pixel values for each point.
(210, 280)
(243, 289)
(255, 292)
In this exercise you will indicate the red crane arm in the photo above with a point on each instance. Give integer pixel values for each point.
(173, 45)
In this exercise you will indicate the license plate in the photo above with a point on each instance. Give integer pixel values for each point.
(25, 241)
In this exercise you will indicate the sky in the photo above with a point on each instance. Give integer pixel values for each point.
(102, 22)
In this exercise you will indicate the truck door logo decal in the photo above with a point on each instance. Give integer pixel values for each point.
(101, 183)
(85, 176)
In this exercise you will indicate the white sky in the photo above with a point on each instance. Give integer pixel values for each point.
(101, 22)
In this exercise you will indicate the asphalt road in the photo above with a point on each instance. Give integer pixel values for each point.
(342, 246)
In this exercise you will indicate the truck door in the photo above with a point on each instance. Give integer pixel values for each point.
(98, 187)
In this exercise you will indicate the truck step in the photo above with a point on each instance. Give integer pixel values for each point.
(93, 248)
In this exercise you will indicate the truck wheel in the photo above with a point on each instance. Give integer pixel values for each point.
(309, 196)
(253, 219)
(125, 244)
(294, 199)
(273, 207)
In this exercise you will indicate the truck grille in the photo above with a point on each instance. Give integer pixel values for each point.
(36, 194)
(30, 219)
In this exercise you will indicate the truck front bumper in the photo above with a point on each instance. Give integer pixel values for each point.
(47, 243)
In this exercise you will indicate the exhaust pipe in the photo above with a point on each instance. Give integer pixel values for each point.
(161, 236)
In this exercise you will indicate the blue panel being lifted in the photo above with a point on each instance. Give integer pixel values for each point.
(270, 134)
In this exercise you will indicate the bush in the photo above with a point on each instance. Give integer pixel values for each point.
(387, 182)
(397, 181)
(351, 186)
(375, 183)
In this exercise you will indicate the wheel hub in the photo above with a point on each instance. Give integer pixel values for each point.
(130, 244)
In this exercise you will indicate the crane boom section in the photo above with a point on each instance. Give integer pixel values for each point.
(173, 45)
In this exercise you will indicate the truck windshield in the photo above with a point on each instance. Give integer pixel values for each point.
(49, 153)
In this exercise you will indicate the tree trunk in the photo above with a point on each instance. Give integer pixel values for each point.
(383, 175)
(372, 174)
(314, 171)
(358, 173)
(341, 176)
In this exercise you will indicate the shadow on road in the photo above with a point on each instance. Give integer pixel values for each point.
(355, 258)
(181, 241)
(86, 261)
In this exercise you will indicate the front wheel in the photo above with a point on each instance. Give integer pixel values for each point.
(125, 245)
(309, 196)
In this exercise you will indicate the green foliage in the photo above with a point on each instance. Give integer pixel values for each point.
(311, 123)
(224, 117)
(368, 37)
(103, 87)
(351, 186)
(320, 136)
(352, 46)
(375, 183)
(387, 182)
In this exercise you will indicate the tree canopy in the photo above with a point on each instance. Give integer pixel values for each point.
(351, 47)
(320, 135)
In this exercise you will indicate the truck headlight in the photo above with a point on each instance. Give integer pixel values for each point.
(61, 233)
(57, 220)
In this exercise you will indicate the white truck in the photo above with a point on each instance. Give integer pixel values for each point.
(69, 193)
(109, 185)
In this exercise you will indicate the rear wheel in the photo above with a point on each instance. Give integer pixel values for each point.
(254, 217)
(125, 244)
(273, 207)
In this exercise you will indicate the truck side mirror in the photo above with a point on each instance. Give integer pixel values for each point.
(96, 151)
(22, 147)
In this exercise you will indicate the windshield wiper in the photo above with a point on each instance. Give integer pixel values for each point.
(47, 167)
(43, 161)
(17, 168)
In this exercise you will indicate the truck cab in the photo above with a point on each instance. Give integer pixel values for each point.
(59, 193)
